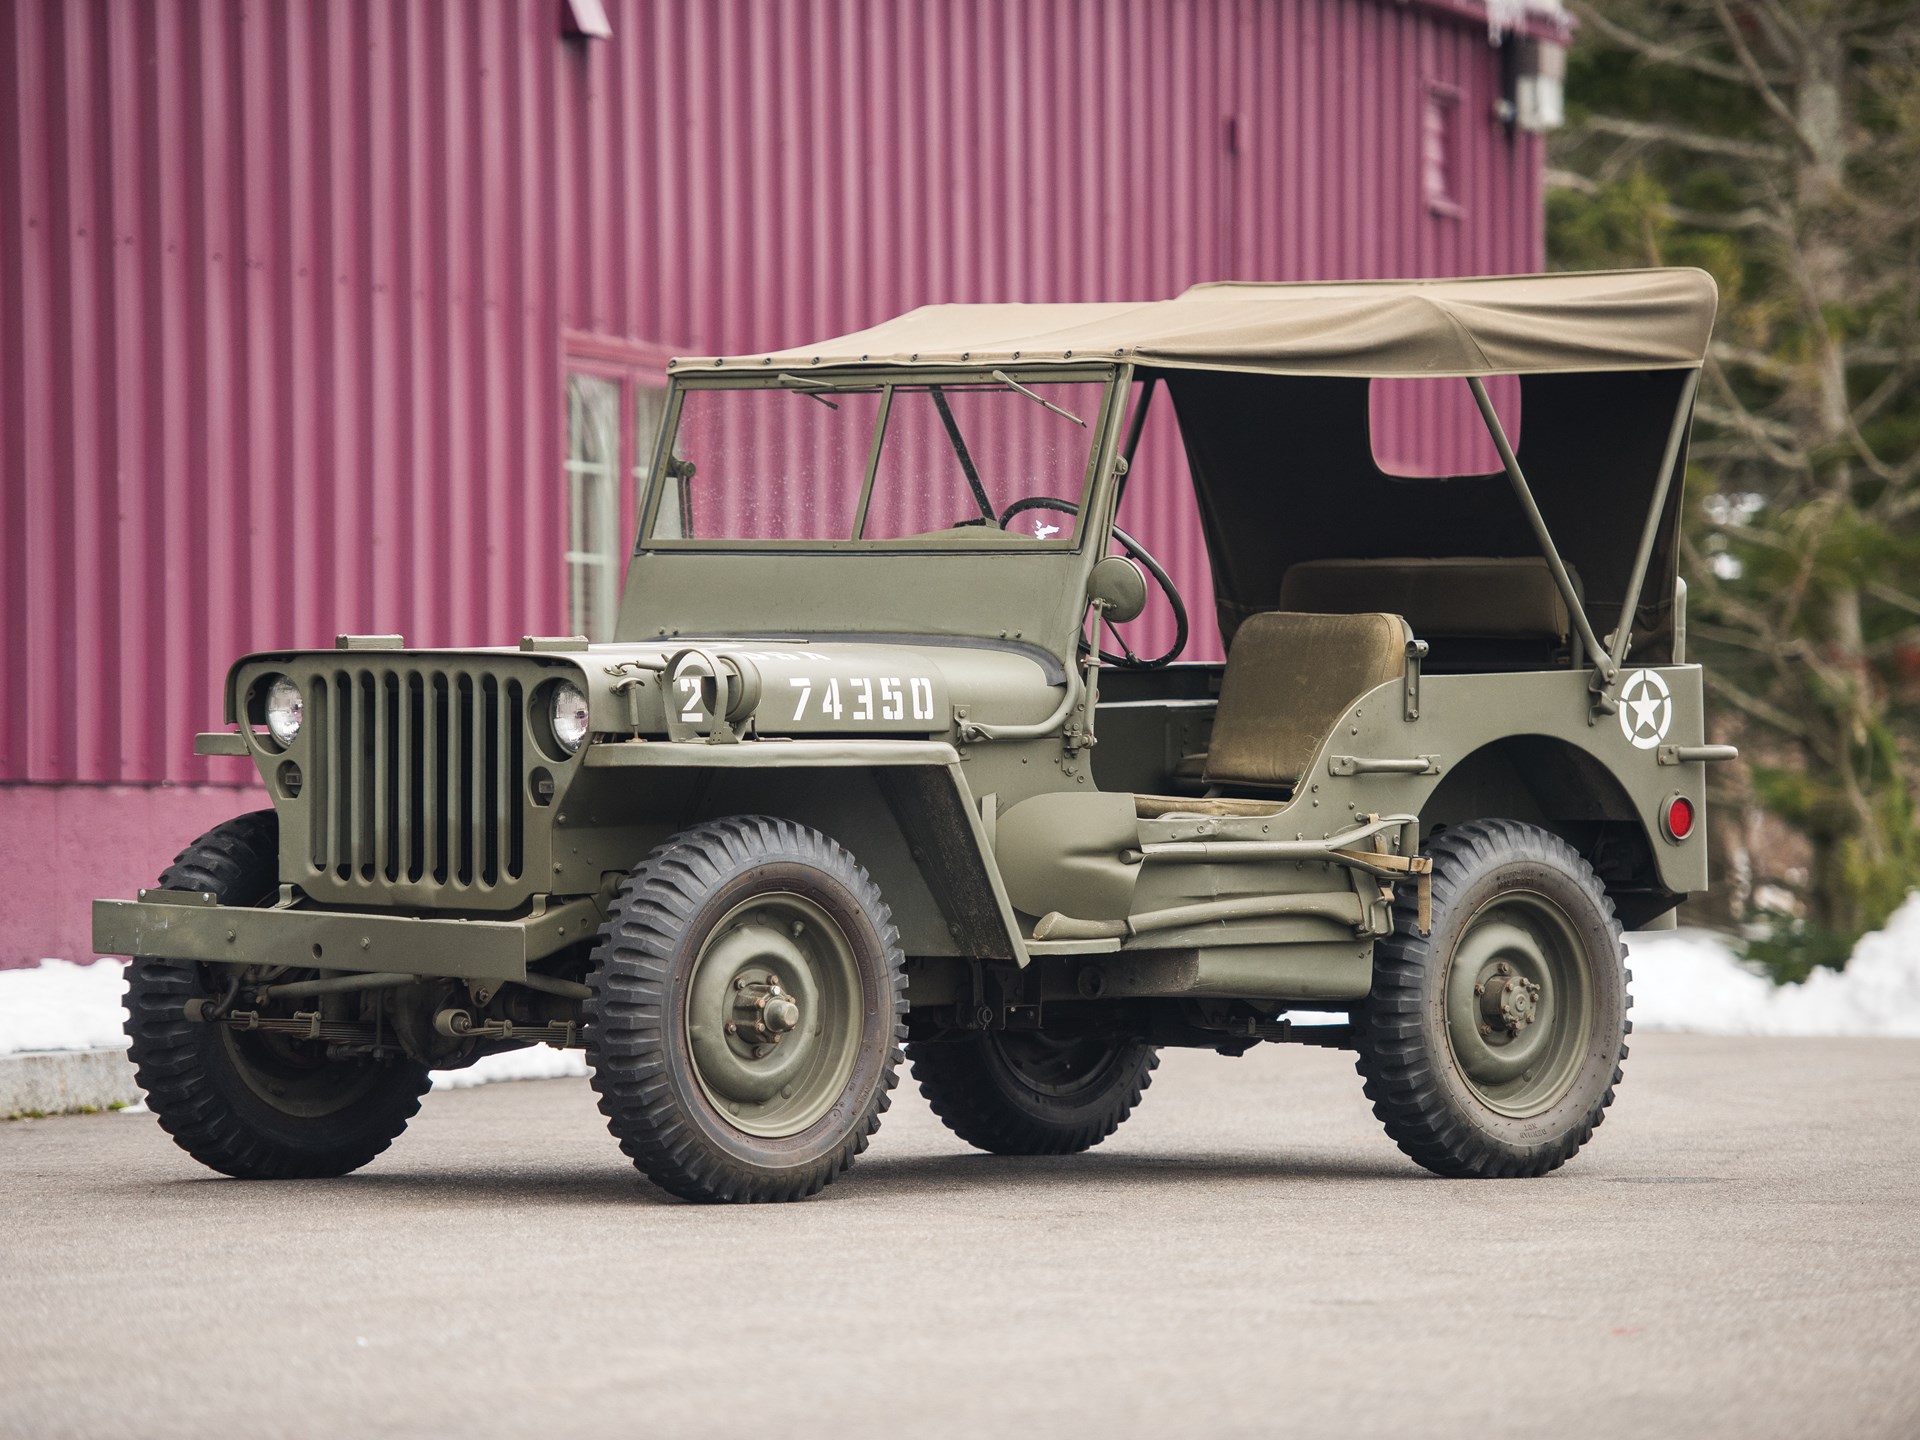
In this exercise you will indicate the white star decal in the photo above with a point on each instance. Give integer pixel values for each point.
(1646, 709)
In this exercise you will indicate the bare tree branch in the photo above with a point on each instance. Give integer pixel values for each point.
(1899, 599)
(1720, 635)
(1654, 133)
(1902, 639)
(1895, 20)
(1775, 441)
(1783, 31)
(1751, 218)
(1748, 535)
(1569, 180)
(1654, 50)
(1759, 709)
(1768, 96)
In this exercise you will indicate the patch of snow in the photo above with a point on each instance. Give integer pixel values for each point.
(1691, 980)
(58, 1005)
(62, 1006)
(539, 1062)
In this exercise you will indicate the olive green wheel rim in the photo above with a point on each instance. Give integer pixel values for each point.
(294, 1076)
(1061, 1067)
(774, 1015)
(1520, 1001)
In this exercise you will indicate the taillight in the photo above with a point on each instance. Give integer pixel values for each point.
(1676, 817)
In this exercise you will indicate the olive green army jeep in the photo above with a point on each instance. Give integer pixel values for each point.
(870, 764)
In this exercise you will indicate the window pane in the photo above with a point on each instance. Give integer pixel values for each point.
(768, 465)
(649, 409)
(1425, 428)
(784, 463)
(1016, 447)
(593, 504)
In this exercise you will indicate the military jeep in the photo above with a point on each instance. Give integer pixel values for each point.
(872, 767)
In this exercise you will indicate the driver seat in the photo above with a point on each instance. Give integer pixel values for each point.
(1290, 679)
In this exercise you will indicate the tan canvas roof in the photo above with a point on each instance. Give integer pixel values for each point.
(1604, 320)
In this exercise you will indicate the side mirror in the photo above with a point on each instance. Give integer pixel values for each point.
(1118, 587)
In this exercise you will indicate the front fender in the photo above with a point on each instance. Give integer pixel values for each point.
(942, 883)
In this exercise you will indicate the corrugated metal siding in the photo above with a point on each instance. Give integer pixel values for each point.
(283, 286)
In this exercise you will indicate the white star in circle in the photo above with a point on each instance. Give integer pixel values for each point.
(1646, 709)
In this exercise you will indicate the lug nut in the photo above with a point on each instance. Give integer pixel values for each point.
(732, 1029)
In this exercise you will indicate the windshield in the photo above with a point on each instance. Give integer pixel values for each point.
(956, 461)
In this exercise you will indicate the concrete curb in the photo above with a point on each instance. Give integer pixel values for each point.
(65, 1082)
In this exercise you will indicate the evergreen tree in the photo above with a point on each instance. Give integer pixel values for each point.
(1776, 144)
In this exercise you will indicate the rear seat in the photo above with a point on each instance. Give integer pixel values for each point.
(1511, 605)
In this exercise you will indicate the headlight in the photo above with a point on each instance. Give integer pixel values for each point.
(285, 710)
(570, 719)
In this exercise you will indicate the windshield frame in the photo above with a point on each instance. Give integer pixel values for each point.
(884, 378)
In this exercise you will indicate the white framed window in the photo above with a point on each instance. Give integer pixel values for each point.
(593, 504)
(1440, 150)
(615, 398)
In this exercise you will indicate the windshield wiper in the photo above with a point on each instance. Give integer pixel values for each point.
(1013, 384)
(811, 388)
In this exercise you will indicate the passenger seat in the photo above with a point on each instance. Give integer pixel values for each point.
(1290, 678)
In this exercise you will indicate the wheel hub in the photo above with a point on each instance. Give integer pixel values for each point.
(1508, 1001)
(763, 1013)
(1517, 997)
(773, 1012)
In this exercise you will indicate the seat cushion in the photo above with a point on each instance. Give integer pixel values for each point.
(1452, 596)
(1289, 679)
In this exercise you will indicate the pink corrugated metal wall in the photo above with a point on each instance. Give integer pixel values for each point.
(283, 286)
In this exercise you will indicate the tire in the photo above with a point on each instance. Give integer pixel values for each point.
(1482, 1071)
(1026, 1093)
(749, 1000)
(257, 1107)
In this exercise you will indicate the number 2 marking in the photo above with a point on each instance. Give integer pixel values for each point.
(690, 685)
(805, 687)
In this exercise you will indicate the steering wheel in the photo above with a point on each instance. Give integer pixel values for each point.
(1126, 660)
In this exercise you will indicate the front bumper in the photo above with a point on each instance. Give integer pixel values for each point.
(189, 925)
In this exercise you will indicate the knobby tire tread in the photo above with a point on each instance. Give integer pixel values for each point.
(952, 1077)
(1395, 1060)
(626, 1017)
(238, 861)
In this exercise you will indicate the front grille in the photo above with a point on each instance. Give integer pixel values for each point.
(413, 777)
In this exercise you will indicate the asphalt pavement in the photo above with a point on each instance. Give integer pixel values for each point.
(1737, 1253)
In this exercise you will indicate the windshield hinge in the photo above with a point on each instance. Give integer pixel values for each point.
(1410, 688)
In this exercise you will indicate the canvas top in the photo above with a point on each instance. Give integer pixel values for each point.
(1496, 325)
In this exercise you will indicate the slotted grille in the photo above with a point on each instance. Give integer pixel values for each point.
(414, 777)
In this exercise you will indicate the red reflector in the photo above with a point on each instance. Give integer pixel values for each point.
(1679, 817)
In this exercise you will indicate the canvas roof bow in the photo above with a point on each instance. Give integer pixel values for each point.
(1499, 325)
